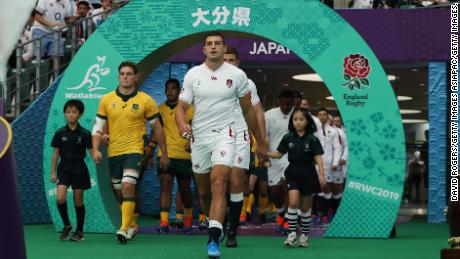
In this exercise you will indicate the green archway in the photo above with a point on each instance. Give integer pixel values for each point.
(313, 31)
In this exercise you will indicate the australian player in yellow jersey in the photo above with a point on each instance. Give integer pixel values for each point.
(126, 110)
(180, 159)
(258, 174)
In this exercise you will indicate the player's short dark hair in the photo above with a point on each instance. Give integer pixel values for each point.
(297, 94)
(128, 64)
(83, 3)
(311, 126)
(286, 94)
(322, 109)
(78, 104)
(172, 81)
(214, 33)
(231, 50)
(337, 114)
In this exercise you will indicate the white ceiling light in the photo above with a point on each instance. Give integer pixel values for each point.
(407, 111)
(331, 98)
(414, 121)
(404, 98)
(308, 77)
(391, 77)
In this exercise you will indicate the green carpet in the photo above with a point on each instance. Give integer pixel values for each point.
(416, 239)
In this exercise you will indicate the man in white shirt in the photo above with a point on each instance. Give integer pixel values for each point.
(238, 179)
(306, 104)
(329, 138)
(100, 14)
(214, 88)
(337, 189)
(277, 122)
(51, 14)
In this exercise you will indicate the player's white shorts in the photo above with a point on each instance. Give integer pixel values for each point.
(215, 150)
(242, 150)
(333, 176)
(276, 170)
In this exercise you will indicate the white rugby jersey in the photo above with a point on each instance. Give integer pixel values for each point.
(329, 138)
(276, 126)
(240, 122)
(343, 144)
(317, 123)
(53, 11)
(214, 95)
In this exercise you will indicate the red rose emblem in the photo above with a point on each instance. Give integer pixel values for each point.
(356, 66)
(229, 83)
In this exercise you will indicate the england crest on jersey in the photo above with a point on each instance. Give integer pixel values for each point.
(229, 83)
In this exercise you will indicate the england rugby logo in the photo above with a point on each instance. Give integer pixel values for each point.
(356, 69)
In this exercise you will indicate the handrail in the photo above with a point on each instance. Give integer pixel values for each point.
(13, 92)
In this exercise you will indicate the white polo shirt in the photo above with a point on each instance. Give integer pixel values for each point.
(214, 95)
(276, 123)
(54, 11)
(240, 122)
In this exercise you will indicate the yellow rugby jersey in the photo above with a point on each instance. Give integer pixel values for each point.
(253, 142)
(174, 141)
(126, 117)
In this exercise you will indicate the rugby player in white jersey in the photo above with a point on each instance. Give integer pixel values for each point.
(277, 122)
(337, 189)
(305, 104)
(329, 138)
(239, 181)
(214, 88)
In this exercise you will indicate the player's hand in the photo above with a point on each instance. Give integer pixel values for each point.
(342, 162)
(56, 24)
(151, 162)
(97, 156)
(333, 167)
(185, 131)
(148, 151)
(265, 162)
(322, 181)
(187, 147)
(261, 150)
(53, 178)
(105, 139)
(164, 163)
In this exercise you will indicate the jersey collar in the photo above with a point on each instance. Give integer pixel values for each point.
(125, 98)
(171, 106)
(76, 129)
(207, 68)
(297, 135)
